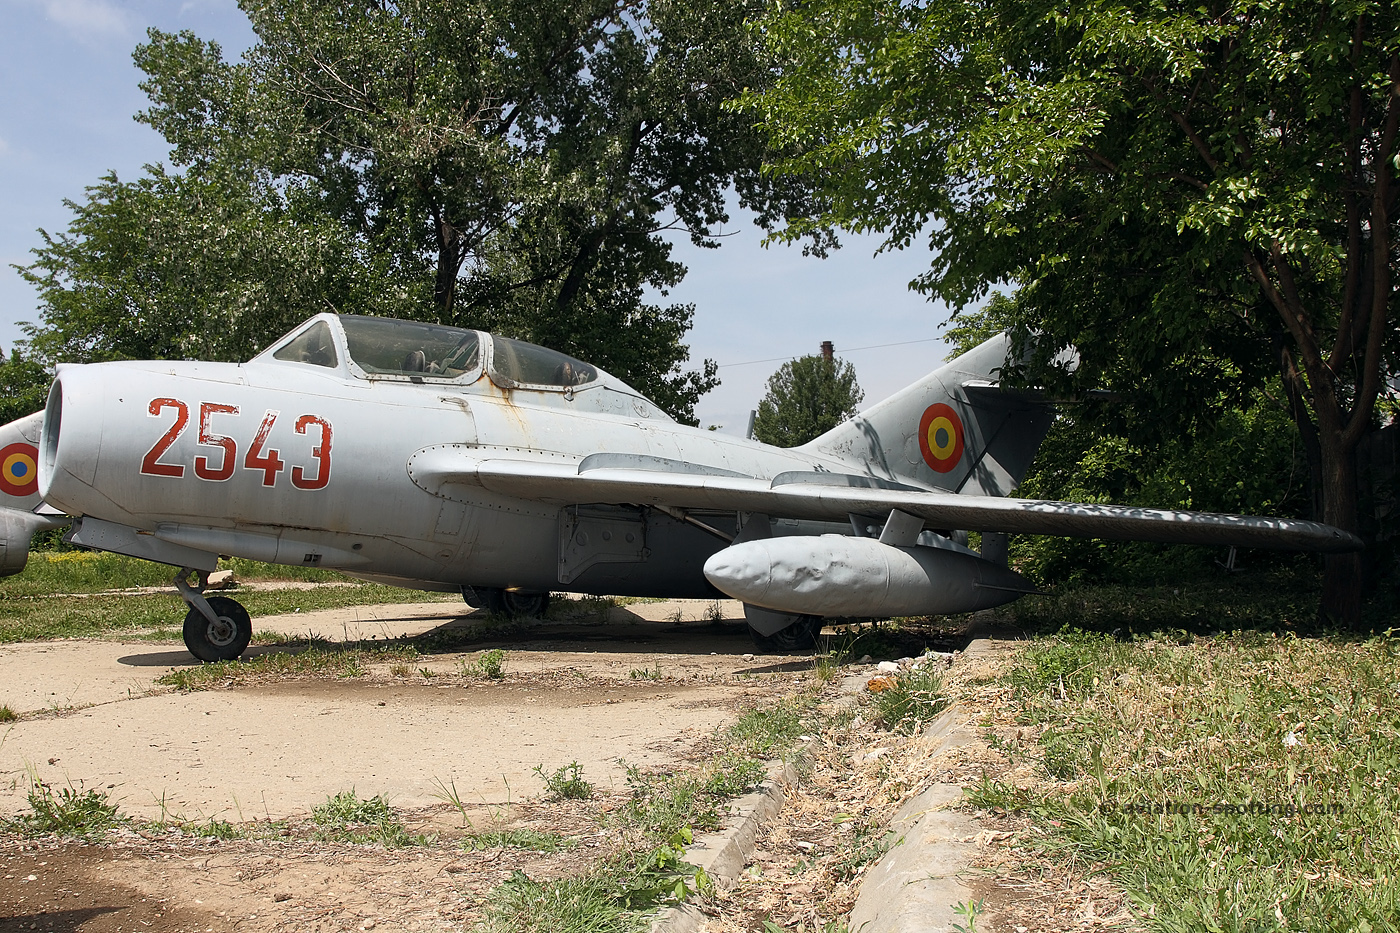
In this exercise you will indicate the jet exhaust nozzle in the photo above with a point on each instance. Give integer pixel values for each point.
(840, 575)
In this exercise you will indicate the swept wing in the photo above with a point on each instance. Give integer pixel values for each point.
(834, 497)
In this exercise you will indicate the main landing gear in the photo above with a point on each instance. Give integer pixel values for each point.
(513, 604)
(782, 632)
(216, 628)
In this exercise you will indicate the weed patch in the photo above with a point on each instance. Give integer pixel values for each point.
(911, 700)
(489, 664)
(318, 659)
(587, 904)
(66, 812)
(566, 782)
(347, 818)
(530, 839)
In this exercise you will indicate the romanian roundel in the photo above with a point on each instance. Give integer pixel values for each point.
(941, 437)
(19, 469)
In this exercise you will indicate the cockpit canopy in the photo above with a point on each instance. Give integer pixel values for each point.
(413, 351)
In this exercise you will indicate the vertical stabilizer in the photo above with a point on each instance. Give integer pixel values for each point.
(955, 429)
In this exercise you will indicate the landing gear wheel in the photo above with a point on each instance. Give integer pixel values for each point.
(512, 604)
(527, 605)
(221, 641)
(493, 599)
(799, 636)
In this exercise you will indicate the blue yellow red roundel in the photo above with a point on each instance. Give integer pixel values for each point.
(19, 469)
(941, 437)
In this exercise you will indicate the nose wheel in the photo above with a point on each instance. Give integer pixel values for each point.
(216, 628)
(223, 639)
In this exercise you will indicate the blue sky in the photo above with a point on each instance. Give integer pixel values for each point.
(66, 119)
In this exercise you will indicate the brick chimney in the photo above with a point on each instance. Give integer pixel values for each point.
(828, 351)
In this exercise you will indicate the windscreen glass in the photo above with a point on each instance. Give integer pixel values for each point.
(521, 363)
(381, 346)
(313, 345)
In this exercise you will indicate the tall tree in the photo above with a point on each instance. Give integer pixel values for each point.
(510, 165)
(1197, 196)
(806, 398)
(531, 152)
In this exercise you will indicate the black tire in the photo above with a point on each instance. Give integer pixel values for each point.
(526, 605)
(493, 599)
(799, 636)
(223, 642)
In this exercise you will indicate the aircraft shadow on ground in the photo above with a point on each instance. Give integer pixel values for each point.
(478, 631)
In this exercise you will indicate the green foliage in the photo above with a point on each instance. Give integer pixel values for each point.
(214, 829)
(806, 398)
(347, 818)
(65, 812)
(24, 386)
(663, 874)
(1197, 197)
(566, 782)
(1248, 460)
(614, 897)
(7, 714)
(207, 264)
(912, 701)
(1224, 782)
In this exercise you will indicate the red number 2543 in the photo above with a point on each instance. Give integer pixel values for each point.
(221, 460)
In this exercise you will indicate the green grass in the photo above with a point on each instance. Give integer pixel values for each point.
(347, 818)
(655, 824)
(49, 572)
(7, 714)
(529, 839)
(914, 699)
(65, 812)
(1226, 781)
(585, 904)
(317, 659)
(160, 616)
(1264, 600)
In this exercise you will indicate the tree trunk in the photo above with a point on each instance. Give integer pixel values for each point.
(448, 265)
(1342, 573)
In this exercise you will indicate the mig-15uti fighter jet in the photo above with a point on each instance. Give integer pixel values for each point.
(452, 459)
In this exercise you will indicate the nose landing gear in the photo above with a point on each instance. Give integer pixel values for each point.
(216, 628)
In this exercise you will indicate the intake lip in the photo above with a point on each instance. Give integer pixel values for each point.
(71, 441)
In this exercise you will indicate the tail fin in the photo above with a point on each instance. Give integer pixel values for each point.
(955, 429)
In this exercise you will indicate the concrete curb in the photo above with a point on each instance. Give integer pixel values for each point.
(723, 854)
(917, 885)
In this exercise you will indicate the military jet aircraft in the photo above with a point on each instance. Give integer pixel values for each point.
(452, 459)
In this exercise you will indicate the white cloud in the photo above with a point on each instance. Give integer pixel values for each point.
(87, 19)
(206, 6)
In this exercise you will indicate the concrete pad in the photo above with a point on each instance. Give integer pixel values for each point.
(280, 749)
